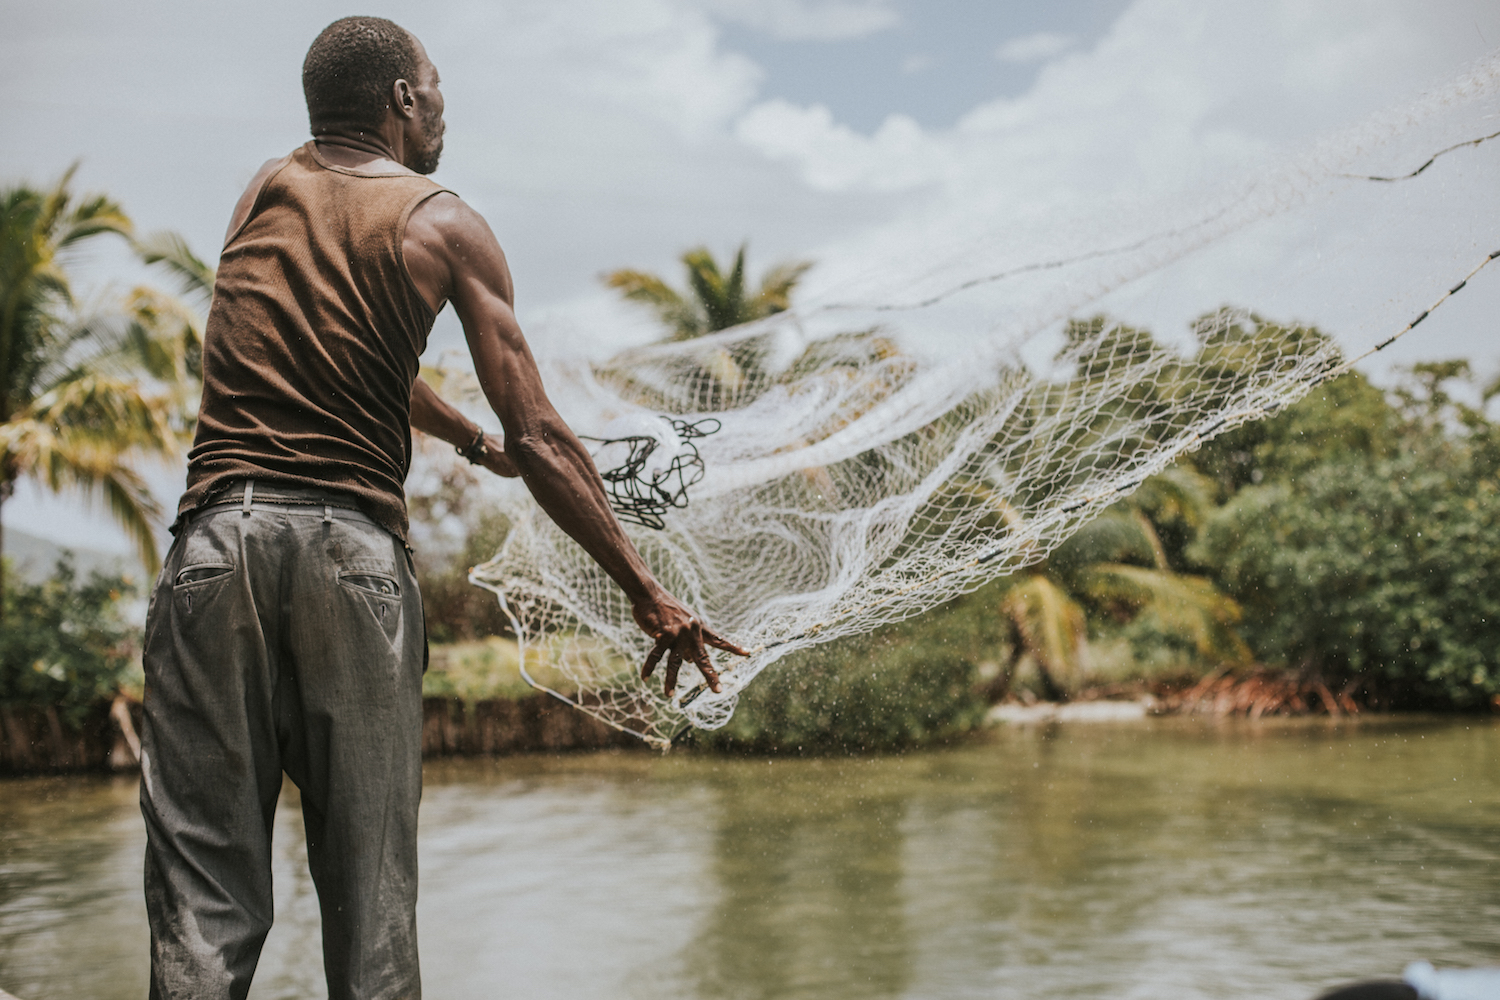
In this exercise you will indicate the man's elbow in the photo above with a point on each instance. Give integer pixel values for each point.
(531, 451)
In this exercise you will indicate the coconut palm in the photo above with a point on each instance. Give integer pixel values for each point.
(723, 375)
(87, 388)
(1118, 566)
(716, 300)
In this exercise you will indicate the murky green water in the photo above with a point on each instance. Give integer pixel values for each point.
(1152, 860)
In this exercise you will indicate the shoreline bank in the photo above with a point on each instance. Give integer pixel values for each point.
(35, 740)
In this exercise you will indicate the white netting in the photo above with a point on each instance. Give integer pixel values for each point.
(954, 412)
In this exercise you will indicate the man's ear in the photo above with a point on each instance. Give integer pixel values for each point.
(403, 101)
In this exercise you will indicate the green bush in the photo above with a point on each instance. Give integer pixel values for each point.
(918, 682)
(456, 610)
(1346, 418)
(64, 643)
(856, 695)
(1382, 569)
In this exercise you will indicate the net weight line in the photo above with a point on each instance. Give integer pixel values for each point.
(1194, 439)
(1430, 160)
(1052, 265)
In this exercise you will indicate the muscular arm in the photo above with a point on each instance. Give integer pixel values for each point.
(453, 256)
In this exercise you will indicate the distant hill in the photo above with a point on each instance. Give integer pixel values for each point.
(34, 558)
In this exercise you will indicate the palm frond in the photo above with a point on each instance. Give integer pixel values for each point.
(734, 288)
(1190, 607)
(1148, 532)
(710, 287)
(775, 294)
(1114, 536)
(1180, 494)
(136, 510)
(96, 215)
(53, 203)
(172, 252)
(677, 313)
(1051, 626)
(716, 300)
(113, 412)
(163, 337)
(87, 392)
(72, 460)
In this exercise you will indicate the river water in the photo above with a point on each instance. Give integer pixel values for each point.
(1159, 859)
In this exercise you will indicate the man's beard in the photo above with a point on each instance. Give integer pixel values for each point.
(425, 159)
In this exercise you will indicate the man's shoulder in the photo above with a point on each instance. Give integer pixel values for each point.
(246, 204)
(447, 217)
(445, 209)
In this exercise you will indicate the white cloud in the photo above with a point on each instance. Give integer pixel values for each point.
(1175, 93)
(916, 63)
(833, 157)
(1034, 48)
(658, 58)
(800, 20)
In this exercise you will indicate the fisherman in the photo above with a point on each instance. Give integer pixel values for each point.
(285, 633)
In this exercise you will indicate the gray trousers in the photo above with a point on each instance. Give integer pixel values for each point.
(282, 637)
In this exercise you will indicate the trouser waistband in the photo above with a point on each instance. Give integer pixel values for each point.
(250, 495)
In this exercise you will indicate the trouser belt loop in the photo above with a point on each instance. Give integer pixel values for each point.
(249, 492)
(327, 513)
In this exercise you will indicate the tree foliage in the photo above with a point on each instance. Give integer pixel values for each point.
(87, 389)
(1376, 560)
(716, 300)
(1349, 538)
(65, 643)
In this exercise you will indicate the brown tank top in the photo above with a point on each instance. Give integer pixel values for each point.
(313, 338)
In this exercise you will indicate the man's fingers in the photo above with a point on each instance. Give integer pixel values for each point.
(689, 644)
(654, 657)
(700, 657)
(706, 668)
(674, 664)
(714, 639)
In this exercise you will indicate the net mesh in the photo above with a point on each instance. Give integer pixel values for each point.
(949, 414)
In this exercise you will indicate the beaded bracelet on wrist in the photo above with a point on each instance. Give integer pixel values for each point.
(476, 450)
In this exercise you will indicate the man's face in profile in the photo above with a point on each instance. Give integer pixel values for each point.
(430, 125)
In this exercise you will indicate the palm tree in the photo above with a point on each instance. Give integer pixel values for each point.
(716, 301)
(725, 375)
(84, 390)
(1117, 565)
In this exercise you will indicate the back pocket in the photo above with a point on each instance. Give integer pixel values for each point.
(371, 583)
(193, 582)
(201, 573)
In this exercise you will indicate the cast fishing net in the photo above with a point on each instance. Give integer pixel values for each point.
(952, 412)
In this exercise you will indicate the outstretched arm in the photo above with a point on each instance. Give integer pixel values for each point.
(450, 246)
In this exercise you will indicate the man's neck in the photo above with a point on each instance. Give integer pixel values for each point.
(364, 146)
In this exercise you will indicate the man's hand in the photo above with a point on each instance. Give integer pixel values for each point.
(679, 636)
(430, 414)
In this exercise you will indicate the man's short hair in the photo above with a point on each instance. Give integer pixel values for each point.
(348, 73)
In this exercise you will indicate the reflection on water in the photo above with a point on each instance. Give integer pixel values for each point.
(1163, 859)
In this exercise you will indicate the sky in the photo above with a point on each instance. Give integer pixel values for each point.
(597, 134)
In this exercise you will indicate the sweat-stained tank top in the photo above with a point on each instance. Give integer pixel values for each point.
(313, 338)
